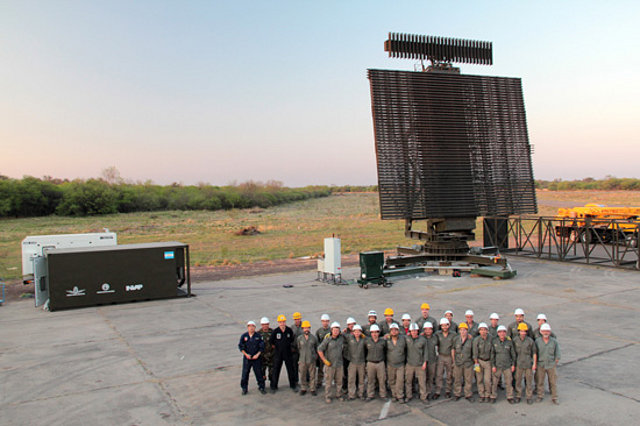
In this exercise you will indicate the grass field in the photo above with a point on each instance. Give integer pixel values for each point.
(289, 231)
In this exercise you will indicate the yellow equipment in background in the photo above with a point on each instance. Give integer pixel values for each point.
(594, 221)
(599, 211)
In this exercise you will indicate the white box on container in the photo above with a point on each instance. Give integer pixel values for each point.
(32, 245)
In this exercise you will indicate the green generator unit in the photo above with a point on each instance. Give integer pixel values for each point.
(371, 269)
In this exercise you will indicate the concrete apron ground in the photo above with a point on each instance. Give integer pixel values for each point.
(177, 362)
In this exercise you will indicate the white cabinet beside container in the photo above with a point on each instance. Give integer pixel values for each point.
(332, 256)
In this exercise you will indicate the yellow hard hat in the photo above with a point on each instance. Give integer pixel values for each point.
(425, 306)
(306, 324)
(388, 311)
(463, 325)
(297, 315)
(522, 326)
(282, 318)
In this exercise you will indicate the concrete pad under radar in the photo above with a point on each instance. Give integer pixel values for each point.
(176, 361)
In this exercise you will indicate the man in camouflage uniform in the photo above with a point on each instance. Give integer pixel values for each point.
(462, 353)
(503, 363)
(267, 356)
(321, 333)
(331, 352)
(482, 351)
(525, 359)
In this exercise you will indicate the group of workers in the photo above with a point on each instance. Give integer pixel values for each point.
(441, 356)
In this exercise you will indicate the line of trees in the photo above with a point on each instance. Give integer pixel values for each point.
(609, 183)
(31, 196)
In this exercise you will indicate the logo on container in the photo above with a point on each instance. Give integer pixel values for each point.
(75, 291)
(106, 288)
(133, 287)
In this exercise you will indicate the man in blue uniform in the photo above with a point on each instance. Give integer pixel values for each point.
(252, 346)
(282, 340)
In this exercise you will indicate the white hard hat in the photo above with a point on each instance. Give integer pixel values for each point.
(350, 320)
(545, 326)
(264, 320)
(335, 324)
(483, 325)
(374, 327)
(494, 316)
(427, 325)
(444, 321)
(448, 312)
(251, 323)
(406, 317)
(325, 317)
(469, 312)
(518, 312)
(394, 325)
(357, 327)
(414, 326)
(502, 328)
(542, 316)
(373, 314)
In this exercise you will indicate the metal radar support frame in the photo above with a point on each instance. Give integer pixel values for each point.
(450, 147)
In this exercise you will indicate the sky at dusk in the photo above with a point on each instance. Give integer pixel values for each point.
(217, 92)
